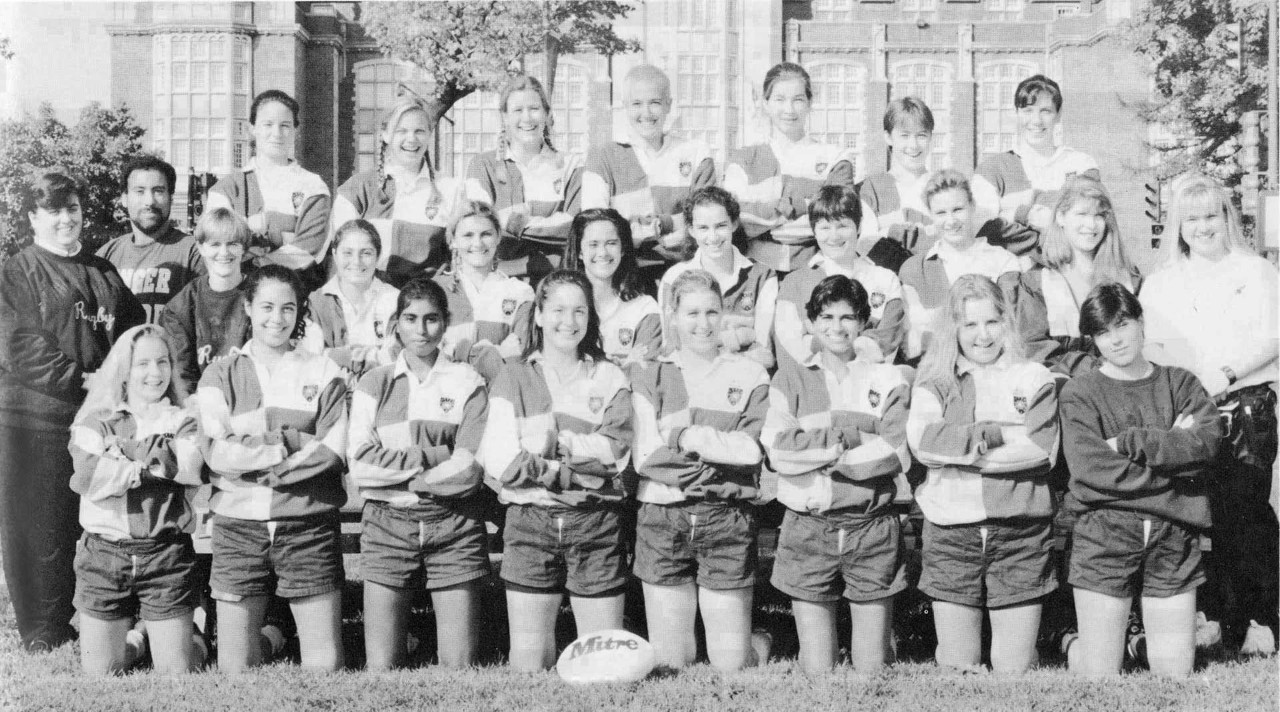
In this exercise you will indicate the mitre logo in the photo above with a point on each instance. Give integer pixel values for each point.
(596, 644)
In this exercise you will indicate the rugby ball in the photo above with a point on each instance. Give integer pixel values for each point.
(606, 656)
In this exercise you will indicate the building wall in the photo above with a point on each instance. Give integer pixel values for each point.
(963, 57)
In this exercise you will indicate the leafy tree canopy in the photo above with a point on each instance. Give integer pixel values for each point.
(1199, 96)
(468, 46)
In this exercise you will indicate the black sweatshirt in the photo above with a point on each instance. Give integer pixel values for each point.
(59, 317)
(205, 326)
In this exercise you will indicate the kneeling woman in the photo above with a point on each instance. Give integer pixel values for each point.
(557, 440)
(137, 458)
(699, 413)
(984, 420)
(415, 428)
(836, 433)
(275, 426)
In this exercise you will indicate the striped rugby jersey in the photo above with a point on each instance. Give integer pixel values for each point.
(892, 203)
(412, 214)
(116, 503)
(632, 325)
(1006, 186)
(750, 301)
(529, 408)
(1048, 317)
(335, 324)
(887, 328)
(242, 409)
(698, 428)
(412, 439)
(638, 182)
(968, 483)
(498, 308)
(838, 444)
(776, 180)
(548, 191)
(927, 279)
(296, 203)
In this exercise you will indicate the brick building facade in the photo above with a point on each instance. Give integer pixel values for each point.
(188, 70)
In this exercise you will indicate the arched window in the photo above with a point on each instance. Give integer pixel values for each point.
(930, 81)
(376, 81)
(839, 93)
(200, 100)
(997, 119)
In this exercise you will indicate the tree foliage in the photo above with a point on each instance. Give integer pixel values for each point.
(1199, 97)
(468, 46)
(93, 149)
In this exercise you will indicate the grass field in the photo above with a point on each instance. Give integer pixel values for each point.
(53, 681)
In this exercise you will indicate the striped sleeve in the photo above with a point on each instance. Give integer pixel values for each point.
(311, 231)
(597, 181)
(842, 174)
(99, 473)
(935, 442)
(326, 449)
(1033, 443)
(556, 225)
(891, 332)
(788, 324)
(761, 351)
(461, 472)
(792, 448)
(229, 454)
(373, 465)
(883, 452)
(648, 336)
(609, 442)
(502, 452)
(186, 453)
(655, 458)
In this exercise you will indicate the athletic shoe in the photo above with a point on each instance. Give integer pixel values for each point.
(135, 644)
(273, 641)
(1135, 648)
(1259, 640)
(199, 651)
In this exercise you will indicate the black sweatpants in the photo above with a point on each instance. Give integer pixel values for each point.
(39, 526)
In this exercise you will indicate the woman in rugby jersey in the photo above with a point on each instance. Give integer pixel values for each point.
(698, 414)
(533, 187)
(287, 207)
(274, 421)
(984, 420)
(351, 314)
(415, 430)
(836, 434)
(408, 204)
(775, 180)
(489, 310)
(557, 440)
(894, 216)
(600, 247)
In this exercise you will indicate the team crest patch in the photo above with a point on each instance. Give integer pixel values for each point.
(508, 307)
(297, 199)
(877, 300)
(446, 405)
(819, 168)
(625, 336)
(734, 395)
(378, 329)
(686, 169)
(1020, 404)
(747, 302)
(873, 397)
(595, 404)
(310, 392)
(557, 185)
(431, 211)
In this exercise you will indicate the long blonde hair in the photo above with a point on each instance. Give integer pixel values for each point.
(405, 105)
(1111, 261)
(939, 363)
(1191, 190)
(109, 384)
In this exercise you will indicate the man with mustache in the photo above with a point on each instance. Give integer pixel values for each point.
(155, 258)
